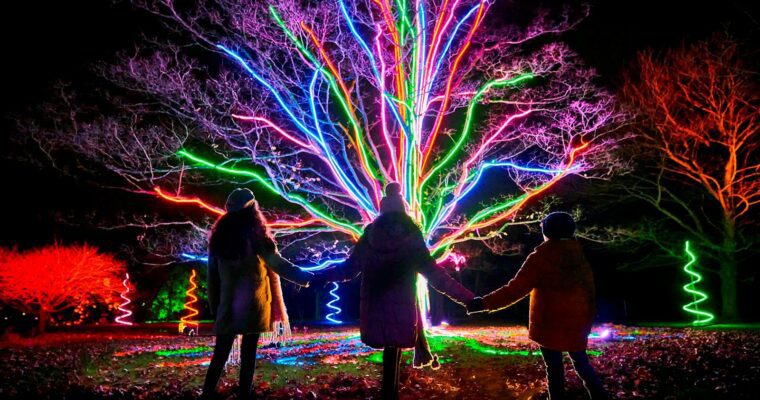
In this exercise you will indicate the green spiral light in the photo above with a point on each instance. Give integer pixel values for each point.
(702, 317)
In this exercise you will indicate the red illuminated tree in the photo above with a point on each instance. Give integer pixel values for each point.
(700, 120)
(55, 278)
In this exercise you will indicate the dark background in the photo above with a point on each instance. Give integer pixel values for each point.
(46, 42)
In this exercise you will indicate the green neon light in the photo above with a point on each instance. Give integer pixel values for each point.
(292, 37)
(469, 119)
(294, 198)
(439, 344)
(333, 84)
(180, 352)
(702, 317)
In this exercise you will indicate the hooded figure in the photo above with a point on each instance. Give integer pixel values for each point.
(561, 287)
(244, 291)
(560, 283)
(389, 255)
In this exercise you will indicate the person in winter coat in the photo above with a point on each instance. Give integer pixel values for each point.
(389, 255)
(562, 306)
(244, 288)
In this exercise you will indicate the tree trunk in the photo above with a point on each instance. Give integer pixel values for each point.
(728, 270)
(42, 323)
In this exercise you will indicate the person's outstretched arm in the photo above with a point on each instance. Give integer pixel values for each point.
(517, 288)
(438, 278)
(286, 269)
(213, 283)
(346, 270)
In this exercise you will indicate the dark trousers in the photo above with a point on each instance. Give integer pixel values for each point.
(555, 374)
(222, 349)
(391, 370)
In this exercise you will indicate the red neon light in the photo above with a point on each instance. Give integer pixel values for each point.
(217, 210)
(195, 200)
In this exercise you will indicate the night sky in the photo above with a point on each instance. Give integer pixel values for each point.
(46, 42)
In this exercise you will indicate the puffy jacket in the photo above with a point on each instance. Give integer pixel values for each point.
(561, 287)
(239, 291)
(389, 255)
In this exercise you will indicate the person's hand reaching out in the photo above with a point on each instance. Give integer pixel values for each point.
(475, 306)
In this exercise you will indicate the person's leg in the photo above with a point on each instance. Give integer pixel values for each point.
(247, 363)
(222, 349)
(586, 372)
(391, 368)
(555, 373)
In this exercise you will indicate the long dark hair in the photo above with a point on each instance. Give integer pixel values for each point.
(238, 234)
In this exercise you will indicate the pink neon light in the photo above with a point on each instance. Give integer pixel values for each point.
(442, 110)
(275, 127)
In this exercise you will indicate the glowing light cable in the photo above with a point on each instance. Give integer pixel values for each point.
(187, 321)
(446, 117)
(332, 317)
(194, 200)
(194, 257)
(702, 317)
(121, 319)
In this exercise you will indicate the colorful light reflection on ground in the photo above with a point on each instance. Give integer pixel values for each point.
(344, 346)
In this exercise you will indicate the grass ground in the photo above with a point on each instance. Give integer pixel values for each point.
(477, 363)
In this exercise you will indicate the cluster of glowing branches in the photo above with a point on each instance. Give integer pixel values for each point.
(187, 320)
(333, 100)
(121, 319)
(702, 317)
(332, 316)
(335, 131)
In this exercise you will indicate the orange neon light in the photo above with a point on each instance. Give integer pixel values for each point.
(187, 321)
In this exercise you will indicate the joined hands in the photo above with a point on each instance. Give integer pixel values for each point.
(476, 305)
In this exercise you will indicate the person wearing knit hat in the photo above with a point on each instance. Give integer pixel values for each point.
(389, 255)
(392, 202)
(239, 199)
(244, 291)
(560, 283)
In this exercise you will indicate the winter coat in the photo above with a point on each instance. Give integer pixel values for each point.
(561, 287)
(389, 255)
(239, 291)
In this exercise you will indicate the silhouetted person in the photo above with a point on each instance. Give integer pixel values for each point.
(561, 287)
(243, 287)
(389, 255)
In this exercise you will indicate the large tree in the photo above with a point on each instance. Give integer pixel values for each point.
(55, 278)
(322, 103)
(700, 115)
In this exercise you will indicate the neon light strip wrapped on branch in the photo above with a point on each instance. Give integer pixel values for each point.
(335, 99)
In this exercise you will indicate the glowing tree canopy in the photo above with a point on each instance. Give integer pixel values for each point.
(320, 104)
(52, 279)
